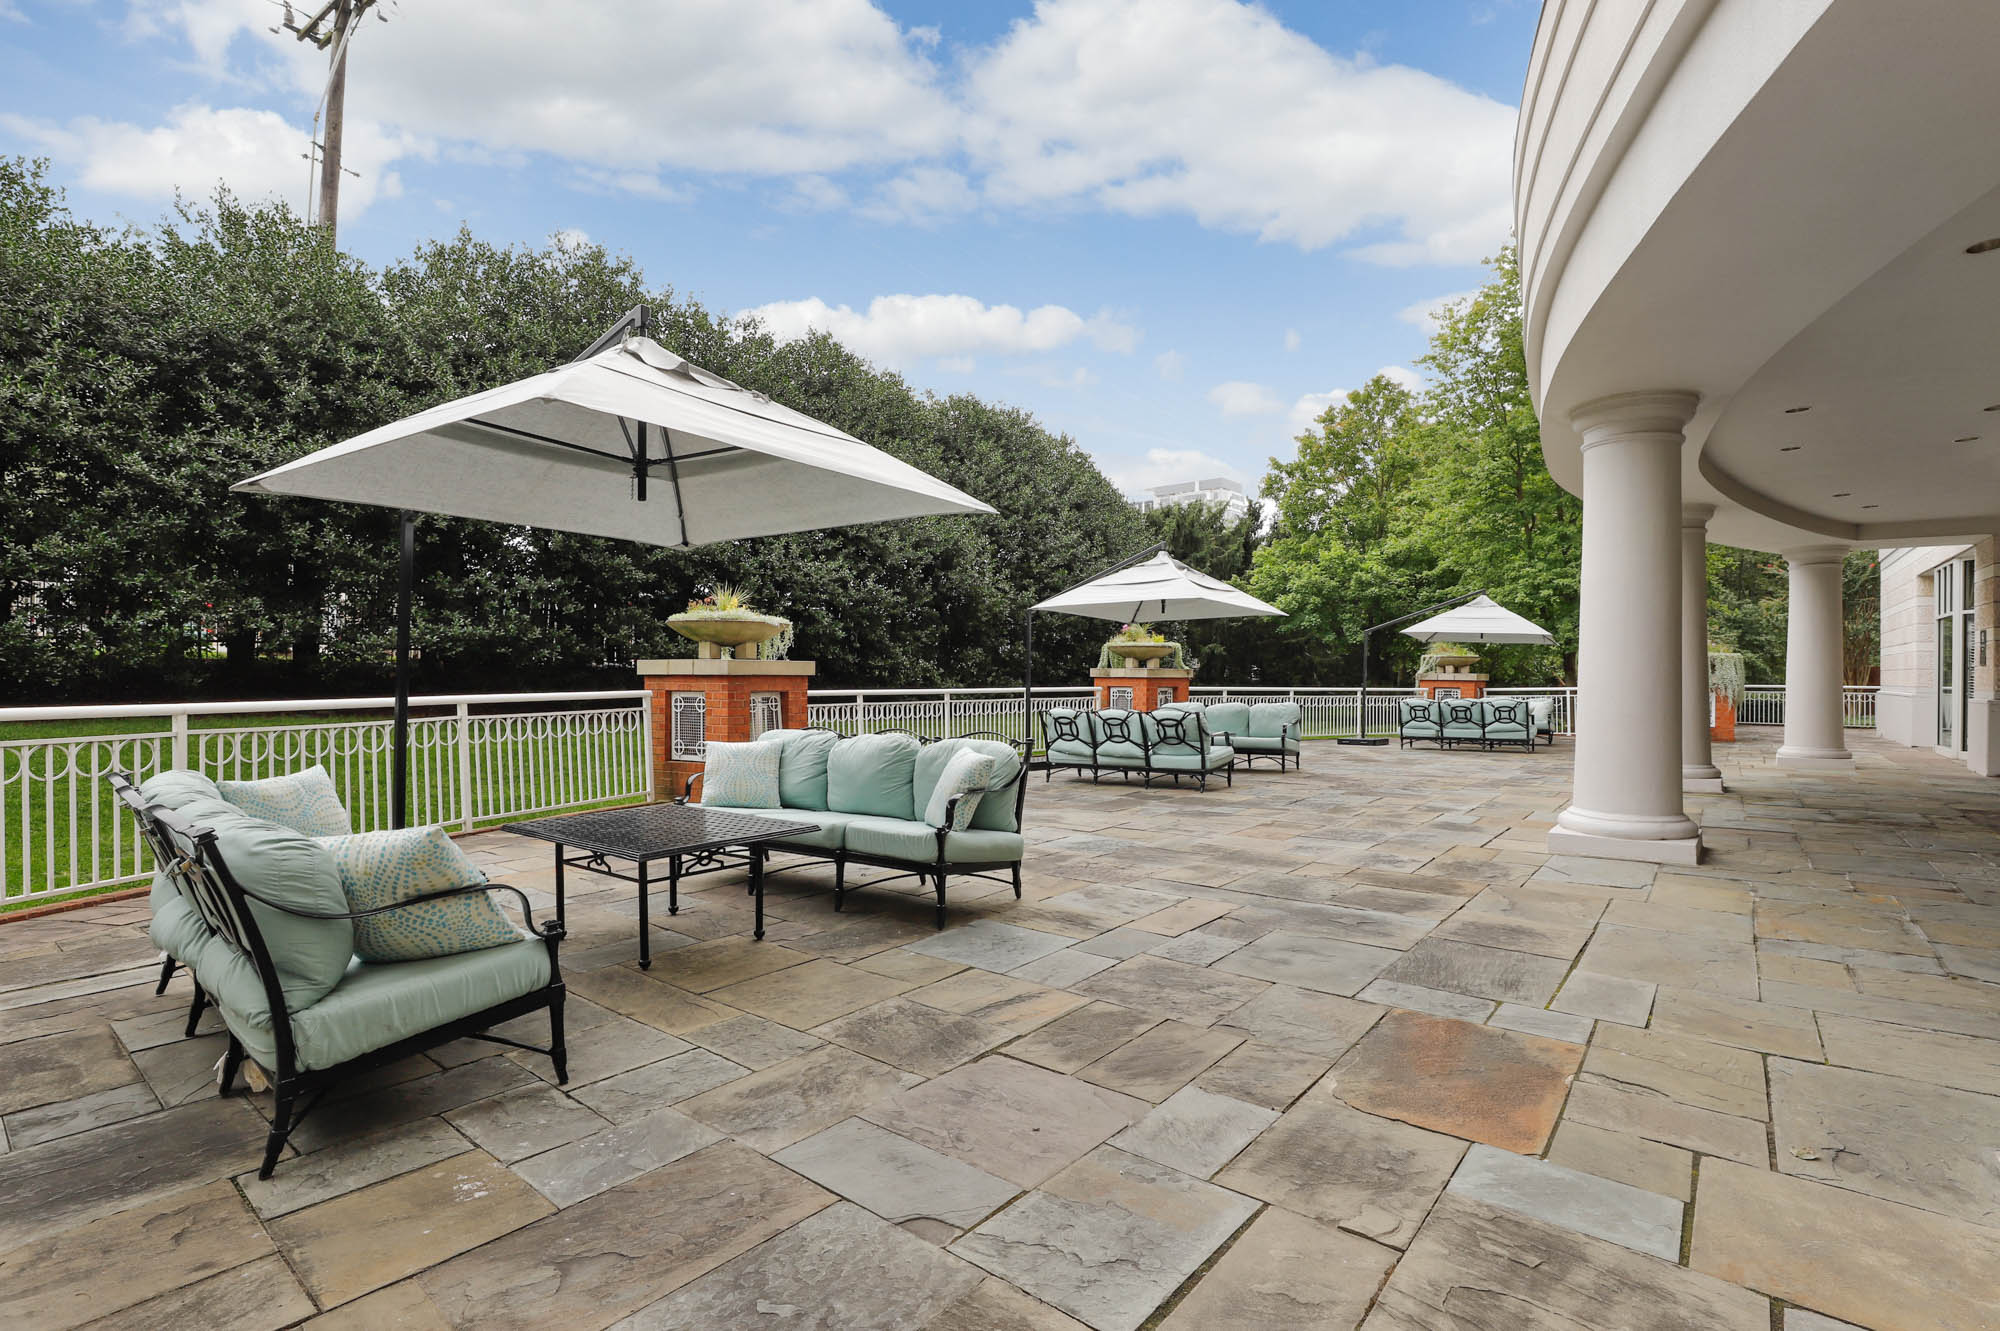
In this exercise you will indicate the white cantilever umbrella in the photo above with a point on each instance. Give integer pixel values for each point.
(629, 440)
(1482, 619)
(1136, 592)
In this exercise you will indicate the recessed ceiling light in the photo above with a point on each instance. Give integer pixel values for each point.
(1965, 439)
(1982, 246)
(1793, 411)
(1844, 494)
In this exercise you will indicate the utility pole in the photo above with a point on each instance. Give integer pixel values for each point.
(330, 28)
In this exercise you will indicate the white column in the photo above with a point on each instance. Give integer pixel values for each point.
(1813, 634)
(1698, 770)
(1627, 798)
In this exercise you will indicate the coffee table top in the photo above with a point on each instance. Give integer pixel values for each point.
(655, 831)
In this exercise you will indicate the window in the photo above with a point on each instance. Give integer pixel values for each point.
(1121, 696)
(690, 727)
(767, 712)
(1163, 695)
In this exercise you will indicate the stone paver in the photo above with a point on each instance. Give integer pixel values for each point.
(1477, 1082)
(1631, 1217)
(1284, 1273)
(1070, 1242)
(1384, 928)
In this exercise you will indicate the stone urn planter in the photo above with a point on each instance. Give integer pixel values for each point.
(1453, 660)
(712, 632)
(1139, 654)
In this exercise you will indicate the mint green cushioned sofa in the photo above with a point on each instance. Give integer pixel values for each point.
(869, 796)
(1268, 730)
(256, 911)
(1486, 723)
(1170, 742)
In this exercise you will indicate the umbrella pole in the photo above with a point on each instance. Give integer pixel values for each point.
(1028, 685)
(399, 798)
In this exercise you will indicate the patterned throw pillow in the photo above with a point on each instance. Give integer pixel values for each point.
(304, 801)
(966, 772)
(742, 776)
(377, 868)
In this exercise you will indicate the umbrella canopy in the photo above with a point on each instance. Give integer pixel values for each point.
(573, 449)
(1482, 619)
(1160, 588)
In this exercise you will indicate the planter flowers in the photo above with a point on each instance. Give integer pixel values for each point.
(1135, 646)
(725, 620)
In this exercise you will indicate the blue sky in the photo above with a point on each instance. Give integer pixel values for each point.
(1170, 228)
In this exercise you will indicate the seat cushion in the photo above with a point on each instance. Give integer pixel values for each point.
(873, 774)
(176, 787)
(829, 823)
(1264, 743)
(382, 868)
(282, 865)
(377, 1004)
(1269, 720)
(743, 776)
(1230, 717)
(304, 801)
(994, 813)
(893, 838)
(1191, 762)
(1069, 751)
(802, 756)
(176, 928)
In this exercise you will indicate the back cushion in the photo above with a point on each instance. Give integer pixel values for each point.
(304, 801)
(995, 812)
(1063, 723)
(283, 865)
(1269, 719)
(380, 868)
(175, 788)
(742, 776)
(1233, 717)
(802, 756)
(1173, 732)
(1118, 733)
(873, 774)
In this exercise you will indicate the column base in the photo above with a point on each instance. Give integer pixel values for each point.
(1801, 759)
(1675, 850)
(1701, 779)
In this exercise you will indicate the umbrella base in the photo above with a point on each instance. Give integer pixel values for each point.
(1370, 741)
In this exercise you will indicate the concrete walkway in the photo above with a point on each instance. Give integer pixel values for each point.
(1337, 1048)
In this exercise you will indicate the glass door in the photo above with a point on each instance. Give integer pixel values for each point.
(1953, 584)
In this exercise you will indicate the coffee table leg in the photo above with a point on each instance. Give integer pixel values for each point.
(645, 925)
(757, 885)
(559, 883)
(673, 885)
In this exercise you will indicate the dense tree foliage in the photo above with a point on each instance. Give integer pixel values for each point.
(141, 373)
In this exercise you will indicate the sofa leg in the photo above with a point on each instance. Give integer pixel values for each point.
(281, 1128)
(232, 1061)
(839, 883)
(166, 971)
(194, 1011)
(558, 1047)
(940, 898)
(1017, 880)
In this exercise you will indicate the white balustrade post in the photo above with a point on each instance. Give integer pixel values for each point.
(465, 767)
(950, 718)
(1698, 770)
(1813, 683)
(180, 740)
(646, 741)
(1626, 803)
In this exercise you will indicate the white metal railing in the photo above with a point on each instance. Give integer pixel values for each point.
(474, 759)
(935, 713)
(1764, 705)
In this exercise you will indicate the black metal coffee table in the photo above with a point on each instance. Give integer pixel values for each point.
(691, 839)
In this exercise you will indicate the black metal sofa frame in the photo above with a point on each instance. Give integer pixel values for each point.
(1471, 711)
(1119, 731)
(933, 873)
(187, 854)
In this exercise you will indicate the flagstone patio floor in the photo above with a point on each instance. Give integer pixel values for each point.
(1334, 1048)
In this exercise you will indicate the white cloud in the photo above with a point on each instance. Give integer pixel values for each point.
(1291, 339)
(570, 238)
(257, 154)
(1164, 466)
(1310, 406)
(957, 364)
(1119, 105)
(1404, 375)
(1124, 104)
(815, 194)
(1239, 397)
(898, 329)
(1171, 364)
(1076, 380)
(645, 184)
(1425, 313)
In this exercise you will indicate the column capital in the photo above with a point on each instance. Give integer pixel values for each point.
(1621, 415)
(1814, 554)
(1696, 515)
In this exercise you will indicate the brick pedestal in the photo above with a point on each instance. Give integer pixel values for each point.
(1722, 723)
(695, 701)
(1451, 684)
(1150, 688)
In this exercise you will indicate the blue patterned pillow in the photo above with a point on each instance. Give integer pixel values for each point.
(967, 771)
(742, 776)
(304, 801)
(378, 868)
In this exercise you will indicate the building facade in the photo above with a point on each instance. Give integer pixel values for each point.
(1216, 490)
(1760, 250)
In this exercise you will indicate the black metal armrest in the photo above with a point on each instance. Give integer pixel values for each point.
(687, 795)
(550, 929)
